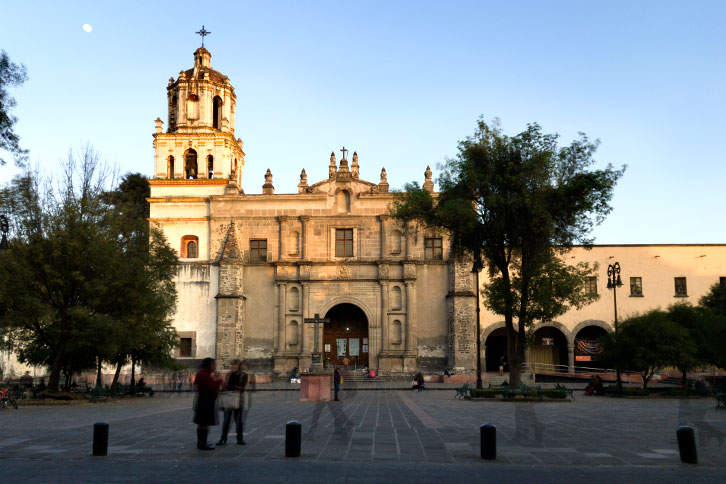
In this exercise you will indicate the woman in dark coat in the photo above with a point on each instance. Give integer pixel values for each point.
(207, 385)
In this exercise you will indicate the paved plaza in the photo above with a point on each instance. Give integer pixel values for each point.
(370, 436)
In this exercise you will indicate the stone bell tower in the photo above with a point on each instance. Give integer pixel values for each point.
(199, 144)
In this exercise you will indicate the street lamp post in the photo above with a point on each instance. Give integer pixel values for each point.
(476, 269)
(4, 228)
(614, 282)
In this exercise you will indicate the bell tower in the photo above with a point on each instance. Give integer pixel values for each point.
(199, 146)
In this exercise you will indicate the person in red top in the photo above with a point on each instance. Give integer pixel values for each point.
(207, 383)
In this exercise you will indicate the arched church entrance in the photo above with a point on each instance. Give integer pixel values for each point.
(346, 336)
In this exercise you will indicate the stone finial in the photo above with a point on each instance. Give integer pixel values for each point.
(171, 81)
(383, 184)
(182, 75)
(158, 122)
(333, 167)
(428, 183)
(355, 168)
(302, 187)
(268, 188)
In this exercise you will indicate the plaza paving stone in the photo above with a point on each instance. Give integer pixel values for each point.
(381, 429)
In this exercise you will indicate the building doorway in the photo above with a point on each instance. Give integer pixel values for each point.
(346, 336)
(496, 347)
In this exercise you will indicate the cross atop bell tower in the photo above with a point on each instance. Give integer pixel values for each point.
(203, 33)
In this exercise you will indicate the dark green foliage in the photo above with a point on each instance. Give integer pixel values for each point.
(521, 202)
(555, 394)
(647, 342)
(484, 392)
(84, 279)
(11, 74)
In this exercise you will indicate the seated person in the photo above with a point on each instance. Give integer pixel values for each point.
(597, 385)
(142, 387)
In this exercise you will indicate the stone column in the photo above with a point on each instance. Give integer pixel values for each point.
(410, 317)
(281, 289)
(570, 359)
(409, 242)
(384, 316)
(304, 253)
(304, 312)
(382, 224)
(281, 245)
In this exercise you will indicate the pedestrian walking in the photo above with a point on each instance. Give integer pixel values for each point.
(337, 379)
(233, 401)
(501, 365)
(207, 383)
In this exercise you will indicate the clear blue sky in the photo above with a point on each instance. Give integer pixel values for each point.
(401, 83)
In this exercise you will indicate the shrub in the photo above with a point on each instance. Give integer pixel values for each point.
(554, 393)
(484, 392)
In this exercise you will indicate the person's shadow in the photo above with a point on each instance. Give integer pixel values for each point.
(342, 424)
(525, 420)
(689, 415)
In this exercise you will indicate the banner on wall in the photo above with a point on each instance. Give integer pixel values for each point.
(341, 343)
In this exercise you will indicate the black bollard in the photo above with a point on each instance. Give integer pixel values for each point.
(100, 438)
(293, 436)
(488, 435)
(687, 445)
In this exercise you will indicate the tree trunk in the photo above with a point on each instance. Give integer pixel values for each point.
(114, 383)
(54, 378)
(98, 374)
(132, 389)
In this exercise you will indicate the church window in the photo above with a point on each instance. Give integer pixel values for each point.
(185, 347)
(293, 299)
(258, 250)
(170, 168)
(344, 243)
(192, 250)
(217, 112)
(396, 332)
(681, 290)
(210, 166)
(396, 242)
(190, 164)
(433, 249)
(189, 247)
(636, 286)
(591, 285)
(396, 298)
(343, 201)
(193, 107)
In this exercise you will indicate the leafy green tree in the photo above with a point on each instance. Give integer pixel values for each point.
(82, 283)
(715, 328)
(149, 299)
(696, 322)
(648, 342)
(521, 202)
(11, 74)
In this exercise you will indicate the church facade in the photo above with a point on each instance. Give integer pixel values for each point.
(254, 266)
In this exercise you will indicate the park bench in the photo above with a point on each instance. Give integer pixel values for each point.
(463, 392)
(566, 390)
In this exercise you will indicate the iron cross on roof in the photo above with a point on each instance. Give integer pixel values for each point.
(203, 33)
(344, 151)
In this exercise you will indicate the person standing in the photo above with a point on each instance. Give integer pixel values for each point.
(207, 384)
(501, 365)
(235, 384)
(336, 382)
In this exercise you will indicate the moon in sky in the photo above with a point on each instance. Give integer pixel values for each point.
(87, 27)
